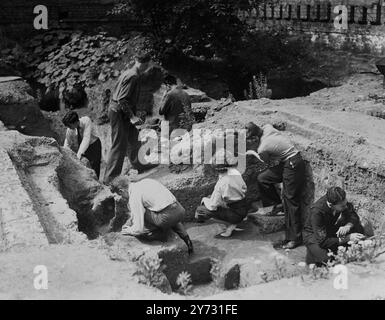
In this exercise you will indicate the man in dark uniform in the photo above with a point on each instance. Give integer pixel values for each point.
(122, 117)
(332, 222)
(176, 107)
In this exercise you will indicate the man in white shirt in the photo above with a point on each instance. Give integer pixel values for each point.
(227, 202)
(285, 165)
(82, 139)
(153, 208)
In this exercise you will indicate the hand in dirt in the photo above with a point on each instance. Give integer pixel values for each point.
(355, 237)
(343, 231)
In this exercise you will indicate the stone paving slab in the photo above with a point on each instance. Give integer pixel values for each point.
(19, 223)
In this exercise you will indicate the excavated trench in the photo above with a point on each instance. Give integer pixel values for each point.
(254, 261)
(248, 258)
(66, 196)
(68, 199)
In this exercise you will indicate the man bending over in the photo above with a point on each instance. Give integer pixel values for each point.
(332, 222)
(153, 209)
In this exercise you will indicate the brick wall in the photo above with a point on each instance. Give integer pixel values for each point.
(315, 20)
(18, 11)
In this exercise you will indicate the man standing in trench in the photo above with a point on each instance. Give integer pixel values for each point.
(176, 107)
(287, 166)
(122, 117)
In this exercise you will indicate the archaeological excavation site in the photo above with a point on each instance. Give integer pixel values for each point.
(282, 66)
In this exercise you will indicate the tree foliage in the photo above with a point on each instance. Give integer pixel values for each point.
(208, 28)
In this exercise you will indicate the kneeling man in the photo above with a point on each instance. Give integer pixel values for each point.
(153, 208)
(332, 222)
(227, 202)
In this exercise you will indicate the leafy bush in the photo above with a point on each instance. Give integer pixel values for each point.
(363, 251)
(194, 27)
(26, 58)
(150, 270)
(72, 59)
(84, 60)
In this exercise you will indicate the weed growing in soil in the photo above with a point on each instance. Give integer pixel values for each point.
(149, 270)
(257, 88)
(215, 271)
(280, 267)
(184, 282)
(317, 273)
(363, 251)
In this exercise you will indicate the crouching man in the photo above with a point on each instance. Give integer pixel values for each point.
(153, 209)
(227, 202)
(332, 222)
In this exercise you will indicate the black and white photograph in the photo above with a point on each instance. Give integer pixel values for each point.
(192, 154)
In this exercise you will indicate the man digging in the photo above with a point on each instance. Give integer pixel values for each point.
(153, 210)
(285, 165)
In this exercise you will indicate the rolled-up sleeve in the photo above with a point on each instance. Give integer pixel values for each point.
(86, 137)
(67, 139)
(216, 199)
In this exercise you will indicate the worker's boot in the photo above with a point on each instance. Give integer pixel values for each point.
(189, 244)
(292, 245)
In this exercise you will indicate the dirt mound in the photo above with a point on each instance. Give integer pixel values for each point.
(19, 110)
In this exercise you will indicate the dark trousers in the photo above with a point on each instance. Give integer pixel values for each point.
(234, 214)
(318, 256)
(292, 174)
(124, 135)
(94, 156)
(169, 218)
